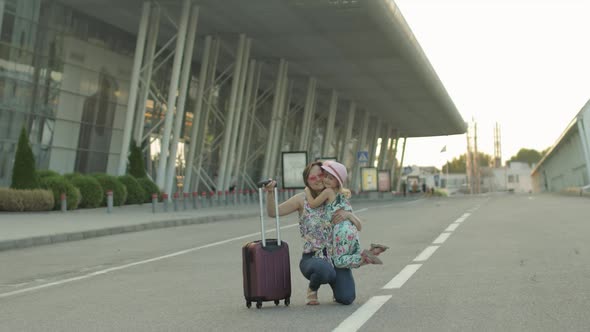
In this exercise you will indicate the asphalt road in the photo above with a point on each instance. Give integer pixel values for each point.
(486, 263)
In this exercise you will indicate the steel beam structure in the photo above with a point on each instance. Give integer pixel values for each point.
(172, 94)
(330, 125)
(134, 85)
(152, 43)
(238, 116)
(348, 134)
(227, 136)
(184, 83)
(197, 115)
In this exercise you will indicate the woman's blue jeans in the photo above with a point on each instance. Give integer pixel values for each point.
(319, 272)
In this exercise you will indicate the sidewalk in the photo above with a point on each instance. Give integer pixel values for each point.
(22, 230)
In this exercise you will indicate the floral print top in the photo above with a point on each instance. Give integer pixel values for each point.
(346, 248)
(316, 231)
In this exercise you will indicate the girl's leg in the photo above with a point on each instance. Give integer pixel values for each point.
(343, 287)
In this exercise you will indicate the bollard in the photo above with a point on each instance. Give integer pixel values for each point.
(175, 201)
(165, 201)
(219, 197)
(195, 196)
(64, 202)
(234, 197)
(203, 199)
(211, 198)
(154, 202)
(109, 201)
(185, 197)
(226, 193)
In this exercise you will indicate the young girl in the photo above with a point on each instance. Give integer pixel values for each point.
(346, 251)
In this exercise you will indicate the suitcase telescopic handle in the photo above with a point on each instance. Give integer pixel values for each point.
(262, 184)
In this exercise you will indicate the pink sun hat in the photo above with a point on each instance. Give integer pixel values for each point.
(337, 170)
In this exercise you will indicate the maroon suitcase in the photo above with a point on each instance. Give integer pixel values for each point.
(266, 266)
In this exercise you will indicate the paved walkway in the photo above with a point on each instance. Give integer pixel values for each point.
(22, 230)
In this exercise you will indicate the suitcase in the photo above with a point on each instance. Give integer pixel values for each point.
(266, 266)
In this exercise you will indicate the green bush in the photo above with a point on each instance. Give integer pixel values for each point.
(43, 173)
(23, 170)
(90, 190)
(149, 188)
(59, 185)
(109, 182)
(135, 192)
(25, 200)
(135, 165)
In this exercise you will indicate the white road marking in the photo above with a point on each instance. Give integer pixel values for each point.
(463, 218)
(126, 266)
(362, 314)
(400, 279)
(452, 227)
(361, 210)
(426, 253)
(441, 238)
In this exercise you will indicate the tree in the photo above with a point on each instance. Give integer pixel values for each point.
(135, 166)
(459, 165)
(529, 156)
(23, 171)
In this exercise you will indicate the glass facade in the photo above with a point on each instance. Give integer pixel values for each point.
(65, 77)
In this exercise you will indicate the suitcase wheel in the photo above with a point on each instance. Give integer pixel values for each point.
(248, 304)
(277, 302)
(287, 301)
(258, 305)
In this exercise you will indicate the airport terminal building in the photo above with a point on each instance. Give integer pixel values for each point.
(214, 91)
(567, 163)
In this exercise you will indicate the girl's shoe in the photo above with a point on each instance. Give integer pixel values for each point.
(376, 249)
(312, 297)
(369, 258)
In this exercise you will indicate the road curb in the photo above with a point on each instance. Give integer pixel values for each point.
(94, 233)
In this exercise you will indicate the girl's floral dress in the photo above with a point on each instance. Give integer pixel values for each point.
(346, 248)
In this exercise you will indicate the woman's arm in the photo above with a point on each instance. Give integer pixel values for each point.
(341, 215)
(321, 199)
(289, 206)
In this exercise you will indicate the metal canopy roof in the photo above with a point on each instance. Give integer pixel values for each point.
(362, 48)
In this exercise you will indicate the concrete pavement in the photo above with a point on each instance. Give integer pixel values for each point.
(22, 230)
(28, 229)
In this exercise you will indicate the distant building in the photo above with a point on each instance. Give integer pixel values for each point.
(515, 177)
(567, 163)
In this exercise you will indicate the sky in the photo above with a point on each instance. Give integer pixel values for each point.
(524, 64)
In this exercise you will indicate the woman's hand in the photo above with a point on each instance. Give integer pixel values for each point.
(339, 216)
(269, 188)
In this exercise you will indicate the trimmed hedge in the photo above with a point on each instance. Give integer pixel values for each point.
(90, 189)
(109, 182)
(59, 185)
(149, 188)
(15, 200)
(135, 192)
(43, 173)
